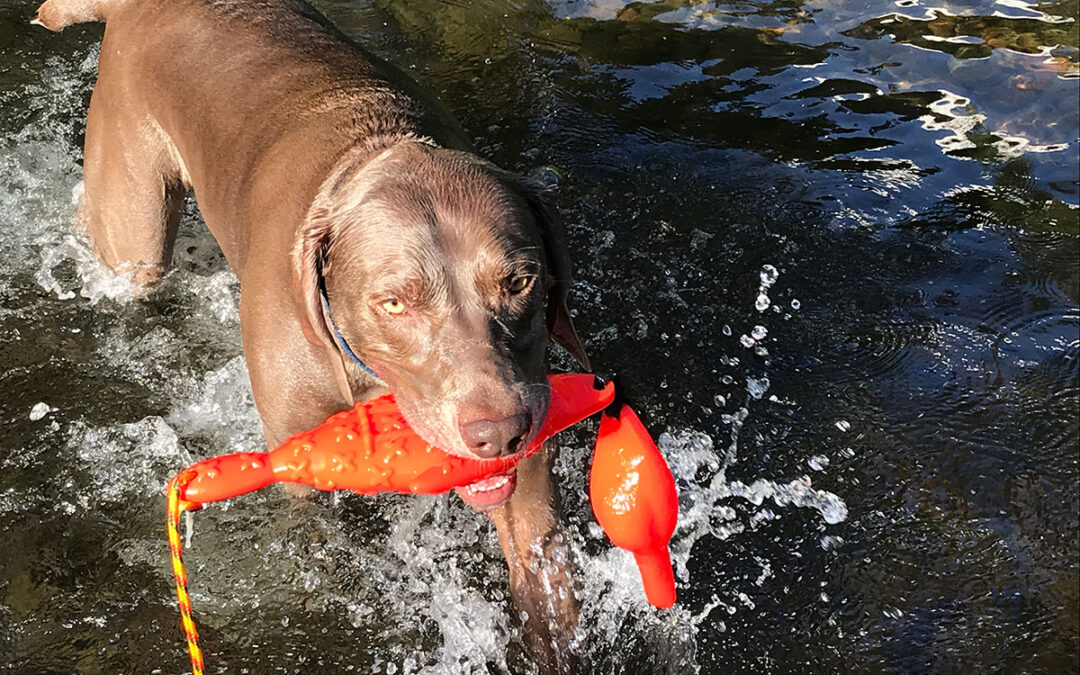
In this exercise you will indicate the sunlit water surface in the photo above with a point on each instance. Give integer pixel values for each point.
(831, 246)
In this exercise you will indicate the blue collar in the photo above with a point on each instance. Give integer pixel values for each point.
(337, 334)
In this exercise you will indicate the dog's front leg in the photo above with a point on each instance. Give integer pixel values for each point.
(542, 569)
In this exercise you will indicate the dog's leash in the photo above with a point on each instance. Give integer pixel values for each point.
(176, 507)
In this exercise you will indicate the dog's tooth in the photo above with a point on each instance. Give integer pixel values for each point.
(487, 485)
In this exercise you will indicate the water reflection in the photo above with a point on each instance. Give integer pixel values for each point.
(976, 37)
(704, 72)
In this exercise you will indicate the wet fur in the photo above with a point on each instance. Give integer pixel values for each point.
(311, 157)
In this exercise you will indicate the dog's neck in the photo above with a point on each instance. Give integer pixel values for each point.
(339, 339)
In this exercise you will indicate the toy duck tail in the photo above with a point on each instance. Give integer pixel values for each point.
(657, 576)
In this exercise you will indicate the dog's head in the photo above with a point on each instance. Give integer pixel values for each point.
(446, 276)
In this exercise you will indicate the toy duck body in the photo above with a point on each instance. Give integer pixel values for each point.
(371, 449)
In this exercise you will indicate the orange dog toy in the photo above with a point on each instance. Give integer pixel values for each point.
(633, 498)
(371, 449)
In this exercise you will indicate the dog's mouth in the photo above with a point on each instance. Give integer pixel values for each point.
(490, 492)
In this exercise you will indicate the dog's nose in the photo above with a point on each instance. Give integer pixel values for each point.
(491, 438)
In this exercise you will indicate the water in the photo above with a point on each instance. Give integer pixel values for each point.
(832, 247)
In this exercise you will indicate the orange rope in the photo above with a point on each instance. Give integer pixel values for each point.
(175, 508)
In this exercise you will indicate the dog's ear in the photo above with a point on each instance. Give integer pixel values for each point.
(560, 326)
(312, 241)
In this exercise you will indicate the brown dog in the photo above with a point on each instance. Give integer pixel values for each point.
(331, 181)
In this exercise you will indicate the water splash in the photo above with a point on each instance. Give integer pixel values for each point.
(94, 281)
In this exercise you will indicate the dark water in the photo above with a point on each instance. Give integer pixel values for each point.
(832, 246)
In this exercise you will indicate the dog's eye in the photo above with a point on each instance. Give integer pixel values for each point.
(517, 285)
(394, 306)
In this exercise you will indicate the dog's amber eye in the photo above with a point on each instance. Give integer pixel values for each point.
(394, 306)
(519, 284)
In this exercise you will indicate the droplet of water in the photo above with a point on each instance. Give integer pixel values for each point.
(757, 387)
(189, 529)
(818, 462)
(795, 304)
(843, 425)
(831, 541)
(762, 302)
(768, 275)
(759, 332)
(726, 330)
(747, 341)
(745, 599)
(40, 410)
(719, 400)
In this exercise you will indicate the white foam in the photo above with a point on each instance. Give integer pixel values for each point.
(127, 461)
(38, 170)
(220, 407)
(422, 572)
(95, 281)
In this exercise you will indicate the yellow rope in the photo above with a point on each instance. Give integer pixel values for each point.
(175, 508)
